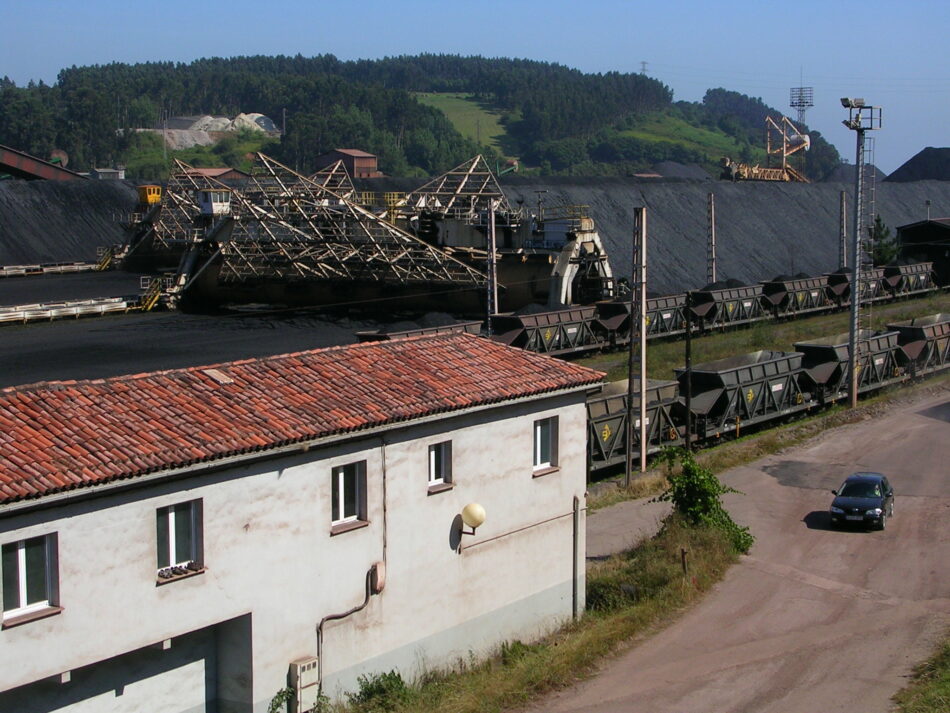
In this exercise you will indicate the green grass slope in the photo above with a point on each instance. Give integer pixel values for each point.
(483, 124)
(471, 118)
(714, 143)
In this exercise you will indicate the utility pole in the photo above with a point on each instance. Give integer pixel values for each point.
(711, 246)
(861, 118)
(688, 313)
(843, 231)
(638, 294)
(492, 266)
(165, 136)
(541, 205)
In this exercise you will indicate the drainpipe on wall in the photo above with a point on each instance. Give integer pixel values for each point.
(375, 580)
(575, 600)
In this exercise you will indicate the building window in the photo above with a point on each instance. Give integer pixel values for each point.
(440, 465)
(179, 539)
(29, 576)
(545, 443)
(349, 493)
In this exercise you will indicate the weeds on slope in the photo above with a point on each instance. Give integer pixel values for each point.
(929, 690)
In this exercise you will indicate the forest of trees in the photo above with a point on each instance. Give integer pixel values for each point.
(558, 118)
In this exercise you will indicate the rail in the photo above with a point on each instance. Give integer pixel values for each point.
(45, 269)
(49, 311)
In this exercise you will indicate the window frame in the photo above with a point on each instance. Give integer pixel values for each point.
(166, 542)
(439, 461)
(29, 611)
(545, 462)
(340, 521)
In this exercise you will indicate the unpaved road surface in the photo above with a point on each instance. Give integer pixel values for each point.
(813, 619)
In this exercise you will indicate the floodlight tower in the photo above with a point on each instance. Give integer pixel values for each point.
(861, 118)
(801, 99)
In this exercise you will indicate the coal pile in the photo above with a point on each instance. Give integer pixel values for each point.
(61, 221)
(929, 165)
(762, 228)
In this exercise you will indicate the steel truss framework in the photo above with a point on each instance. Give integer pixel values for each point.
(465, 193)
(175, 225)
(335, 179)
(290, 227)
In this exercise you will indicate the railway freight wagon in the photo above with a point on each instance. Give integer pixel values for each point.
(726, 306)
(765, 387)
(608, 325)
(826, 362)
(913, 279)
(666, 317)
(566, 331)
(727, 395)
(743, 390)
(607, 421)
(925, 343)
(790, 297)
(874, 286)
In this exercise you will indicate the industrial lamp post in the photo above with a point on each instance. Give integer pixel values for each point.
(861, 118)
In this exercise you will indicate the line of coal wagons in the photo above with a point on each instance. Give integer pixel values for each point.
(746, 391)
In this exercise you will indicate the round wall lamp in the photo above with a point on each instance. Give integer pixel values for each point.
(473, 515)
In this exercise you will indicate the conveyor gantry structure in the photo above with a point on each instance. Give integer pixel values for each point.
(464, 193)
(286, 228)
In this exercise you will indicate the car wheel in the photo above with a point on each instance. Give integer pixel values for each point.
(883, 522)
(890, 510)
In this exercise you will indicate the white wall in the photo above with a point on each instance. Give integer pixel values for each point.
(268, 551)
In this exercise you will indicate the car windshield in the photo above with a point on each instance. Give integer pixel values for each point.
(860, 489)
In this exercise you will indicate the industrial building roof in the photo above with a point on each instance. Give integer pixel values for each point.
(354, 152)
(212, 172)
(57, 436)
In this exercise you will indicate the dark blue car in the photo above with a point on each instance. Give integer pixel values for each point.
(864, 499)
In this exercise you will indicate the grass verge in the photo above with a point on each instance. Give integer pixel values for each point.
(629, 595)
(929, 690)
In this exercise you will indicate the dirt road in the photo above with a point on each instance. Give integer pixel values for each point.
(813, 619)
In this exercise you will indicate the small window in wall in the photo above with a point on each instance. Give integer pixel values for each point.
(349, 494)
(545, 443)
(440, 466)
(30, 577)
(179, 540)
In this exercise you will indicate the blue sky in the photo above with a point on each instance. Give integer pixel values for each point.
(893, 53)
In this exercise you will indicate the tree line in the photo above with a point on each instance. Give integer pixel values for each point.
(558, 118)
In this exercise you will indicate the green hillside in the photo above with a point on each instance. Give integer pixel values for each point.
(478, 121)
(420, 114)
(471, 118)
(712, 143)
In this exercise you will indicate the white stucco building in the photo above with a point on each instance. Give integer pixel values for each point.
(173, 541)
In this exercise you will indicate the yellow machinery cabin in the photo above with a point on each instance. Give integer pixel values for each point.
(150, 195)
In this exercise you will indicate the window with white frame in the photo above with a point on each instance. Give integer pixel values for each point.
(545, 443)
(349, 493)
(29, 575)
(179, 539)
(440, 463)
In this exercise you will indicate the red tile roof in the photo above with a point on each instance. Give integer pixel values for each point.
(71, 434)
